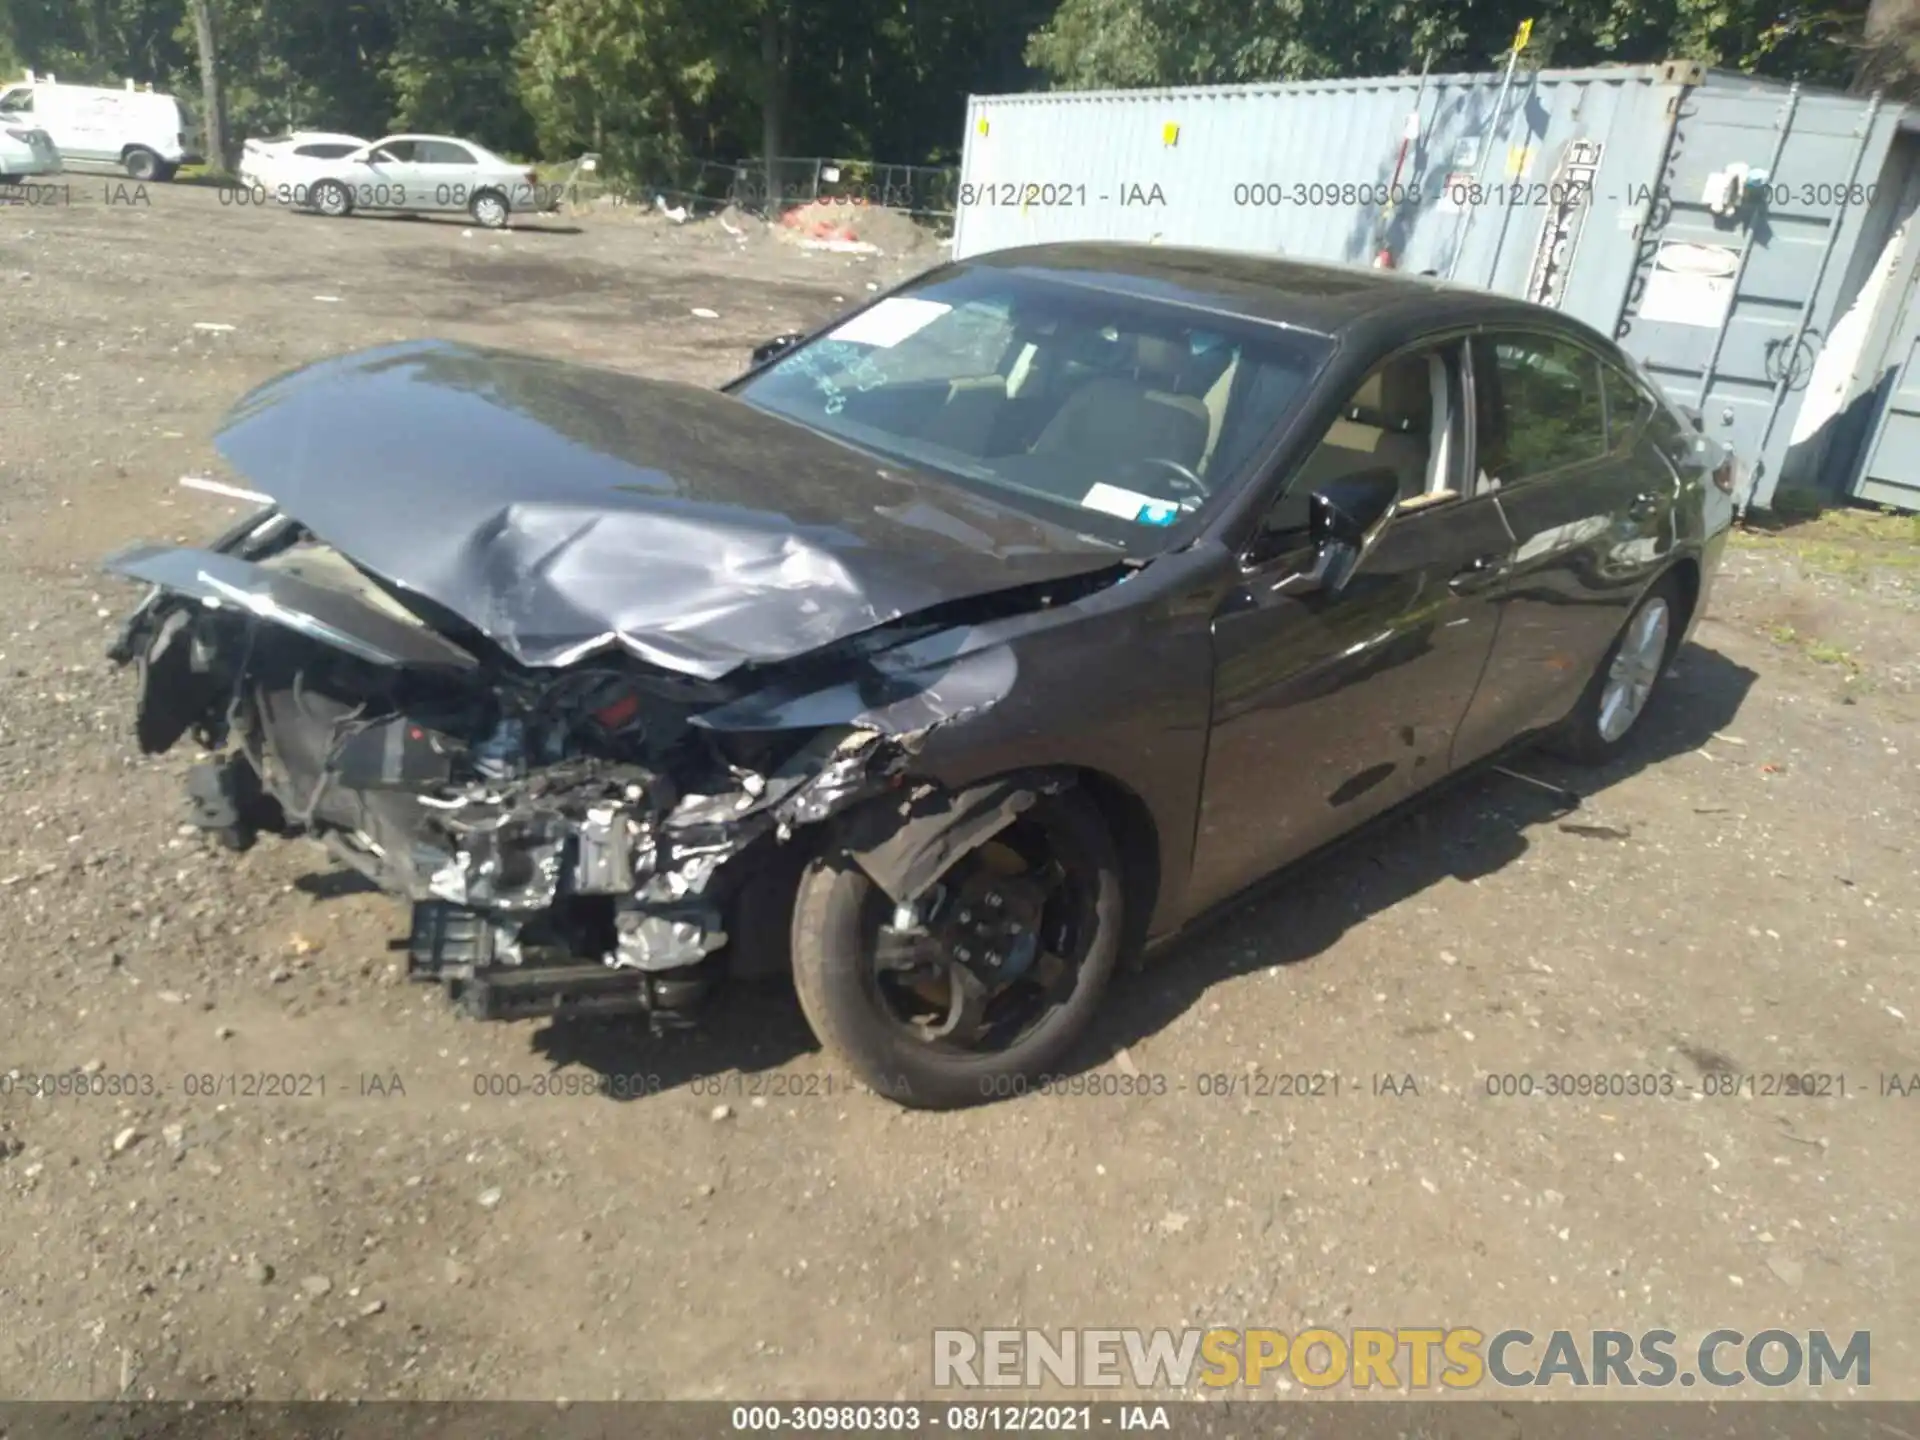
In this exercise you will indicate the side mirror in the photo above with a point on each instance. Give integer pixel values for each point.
(1342, 518)
(778, 345)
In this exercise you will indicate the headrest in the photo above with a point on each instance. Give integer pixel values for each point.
(1159, 361)
(1396, 397)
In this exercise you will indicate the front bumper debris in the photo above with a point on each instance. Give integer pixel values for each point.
(572, 840)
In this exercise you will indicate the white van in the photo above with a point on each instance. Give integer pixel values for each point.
(142, 132)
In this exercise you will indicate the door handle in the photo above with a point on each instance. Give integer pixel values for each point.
(1478, 573)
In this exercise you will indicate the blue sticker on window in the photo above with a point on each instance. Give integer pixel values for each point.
(1158, 514)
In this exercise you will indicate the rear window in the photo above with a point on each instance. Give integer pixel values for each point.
(442, 152)
(1541, 397)
(1629, 408)
(325, 150)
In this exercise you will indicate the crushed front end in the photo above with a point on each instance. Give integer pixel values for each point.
(571, 838)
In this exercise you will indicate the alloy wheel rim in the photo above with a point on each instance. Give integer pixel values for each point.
(949, 1005)
(1635, 670)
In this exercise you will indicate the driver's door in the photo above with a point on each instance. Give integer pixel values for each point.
(389, 178)
(1332, 706)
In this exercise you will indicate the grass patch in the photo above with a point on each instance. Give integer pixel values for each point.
(1821, 652)
(1852, 543)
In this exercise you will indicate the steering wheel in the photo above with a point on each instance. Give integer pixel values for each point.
(1185, 481)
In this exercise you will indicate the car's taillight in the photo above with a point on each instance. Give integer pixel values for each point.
(533, 177)
(1723, 477)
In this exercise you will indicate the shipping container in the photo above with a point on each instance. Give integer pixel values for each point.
(1747, 240)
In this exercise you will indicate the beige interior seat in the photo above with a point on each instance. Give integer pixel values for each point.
(1117, 418)
(1387, 425)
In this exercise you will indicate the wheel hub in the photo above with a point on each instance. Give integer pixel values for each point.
(991, 924)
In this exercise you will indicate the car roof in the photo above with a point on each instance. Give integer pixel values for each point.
(1329, 299)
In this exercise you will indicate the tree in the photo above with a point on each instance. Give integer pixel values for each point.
(452, 69)
(775, 72)
(1890, 52)
(213, 111)
(1094, 43)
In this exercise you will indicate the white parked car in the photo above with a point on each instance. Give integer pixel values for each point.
(428, 174)
(143, 132)
(284, 161)
(25, 150)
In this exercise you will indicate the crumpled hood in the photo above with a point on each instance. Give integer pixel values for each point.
(563, 509)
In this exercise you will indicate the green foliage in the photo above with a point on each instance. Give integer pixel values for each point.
(453, 71)
(1095, 43)
(649, 83)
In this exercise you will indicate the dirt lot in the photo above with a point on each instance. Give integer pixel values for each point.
(1739, 897)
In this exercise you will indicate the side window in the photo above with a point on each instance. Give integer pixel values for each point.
(1629, 408)
(17, 102)
(441, 152)
(1540, 406)
(403, 152)
(1396, 420)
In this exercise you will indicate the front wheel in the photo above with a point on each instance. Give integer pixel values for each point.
(1618, 695)
(987, 980)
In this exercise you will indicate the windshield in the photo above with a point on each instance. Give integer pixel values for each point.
(1118, 415)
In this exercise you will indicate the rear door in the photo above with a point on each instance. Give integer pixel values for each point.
(444, 175)
(1331, 707)
(1590, 502)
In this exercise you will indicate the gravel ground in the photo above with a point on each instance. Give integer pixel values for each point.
(1736, 897)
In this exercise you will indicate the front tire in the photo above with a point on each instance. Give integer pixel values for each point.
(886, 1026)
(1610, 709)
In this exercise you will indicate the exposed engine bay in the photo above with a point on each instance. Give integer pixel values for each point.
(567, 835)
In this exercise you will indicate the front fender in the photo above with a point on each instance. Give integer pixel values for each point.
(905, 845)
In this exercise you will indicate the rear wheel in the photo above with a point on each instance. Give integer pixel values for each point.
(982, 984)
(1621, 689)
(331, 199)
(489, 208)
(141, 163)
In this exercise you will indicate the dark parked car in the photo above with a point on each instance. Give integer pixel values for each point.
(944, 655)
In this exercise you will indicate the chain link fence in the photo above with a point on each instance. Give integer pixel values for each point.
(703, 187)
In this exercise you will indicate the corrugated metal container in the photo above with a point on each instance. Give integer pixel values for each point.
(1583, 189)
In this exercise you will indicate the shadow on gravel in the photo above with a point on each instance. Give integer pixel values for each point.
(753, 1027)
(518, 224)
(1472, 827)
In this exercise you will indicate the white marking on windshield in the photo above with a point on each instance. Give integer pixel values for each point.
(888, 323)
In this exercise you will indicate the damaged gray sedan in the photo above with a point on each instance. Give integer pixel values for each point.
(941, 658)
